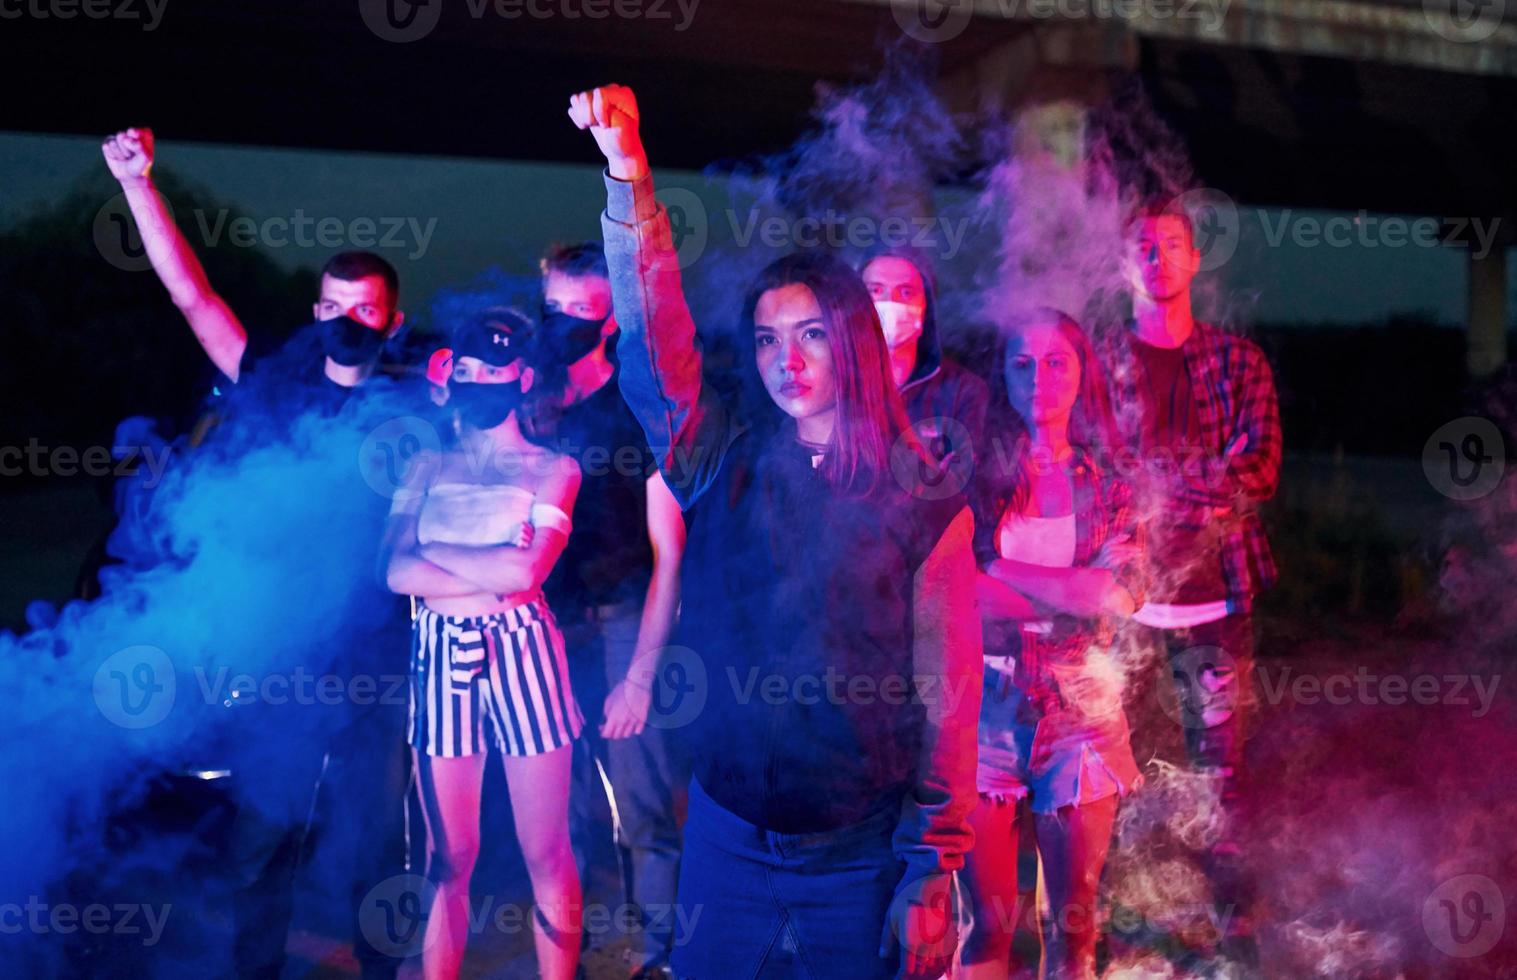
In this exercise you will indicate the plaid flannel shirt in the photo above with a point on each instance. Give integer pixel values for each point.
(1235, 394)
(1103, 513)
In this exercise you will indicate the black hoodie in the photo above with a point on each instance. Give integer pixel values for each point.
(940, 388)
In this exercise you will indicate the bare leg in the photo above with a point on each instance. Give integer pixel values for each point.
(540, 807)
(990, 883)
(1072, 844)
(450, 790)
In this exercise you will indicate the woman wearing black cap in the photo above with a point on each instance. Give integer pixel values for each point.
(474, 532)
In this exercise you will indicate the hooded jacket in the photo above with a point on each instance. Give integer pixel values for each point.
(939, 388)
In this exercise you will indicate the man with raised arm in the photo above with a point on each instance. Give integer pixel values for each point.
(358, 753)
(357, 307)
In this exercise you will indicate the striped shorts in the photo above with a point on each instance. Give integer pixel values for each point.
(508, 667)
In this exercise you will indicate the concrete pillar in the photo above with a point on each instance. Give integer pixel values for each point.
(1485, 343)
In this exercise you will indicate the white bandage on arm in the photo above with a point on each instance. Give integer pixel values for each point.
(549, 516)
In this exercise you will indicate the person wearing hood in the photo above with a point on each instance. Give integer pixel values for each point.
(945, 401)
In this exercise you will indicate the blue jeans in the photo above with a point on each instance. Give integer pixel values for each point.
(758, 904)
(362, 803)
(646, 777)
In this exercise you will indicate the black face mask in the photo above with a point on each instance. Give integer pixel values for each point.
(349, 342)
(569, 338)
(484, 406)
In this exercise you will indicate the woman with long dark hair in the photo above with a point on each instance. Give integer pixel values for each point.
(1060, 564)
(473, 534)
(832, 678)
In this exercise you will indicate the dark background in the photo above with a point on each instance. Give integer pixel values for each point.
(90, 344)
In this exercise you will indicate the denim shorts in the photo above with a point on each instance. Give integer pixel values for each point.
(1054, 759)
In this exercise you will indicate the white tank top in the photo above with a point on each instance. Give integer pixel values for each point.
(1048, 541)
(472, 514)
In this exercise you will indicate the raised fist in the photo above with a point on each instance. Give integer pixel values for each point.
(129, 154)
(610, 114)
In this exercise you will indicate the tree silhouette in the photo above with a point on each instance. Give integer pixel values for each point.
(92, 343)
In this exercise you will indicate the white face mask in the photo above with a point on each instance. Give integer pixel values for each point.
(901, 323)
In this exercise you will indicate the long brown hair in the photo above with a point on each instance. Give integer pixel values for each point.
(1092, 426)
(870, 417)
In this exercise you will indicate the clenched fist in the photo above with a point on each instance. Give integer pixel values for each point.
(129, 154)
(610, 114)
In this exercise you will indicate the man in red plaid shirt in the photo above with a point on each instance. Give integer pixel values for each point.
(1207, 432)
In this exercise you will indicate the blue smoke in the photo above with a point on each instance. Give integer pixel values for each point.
(252, 556)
